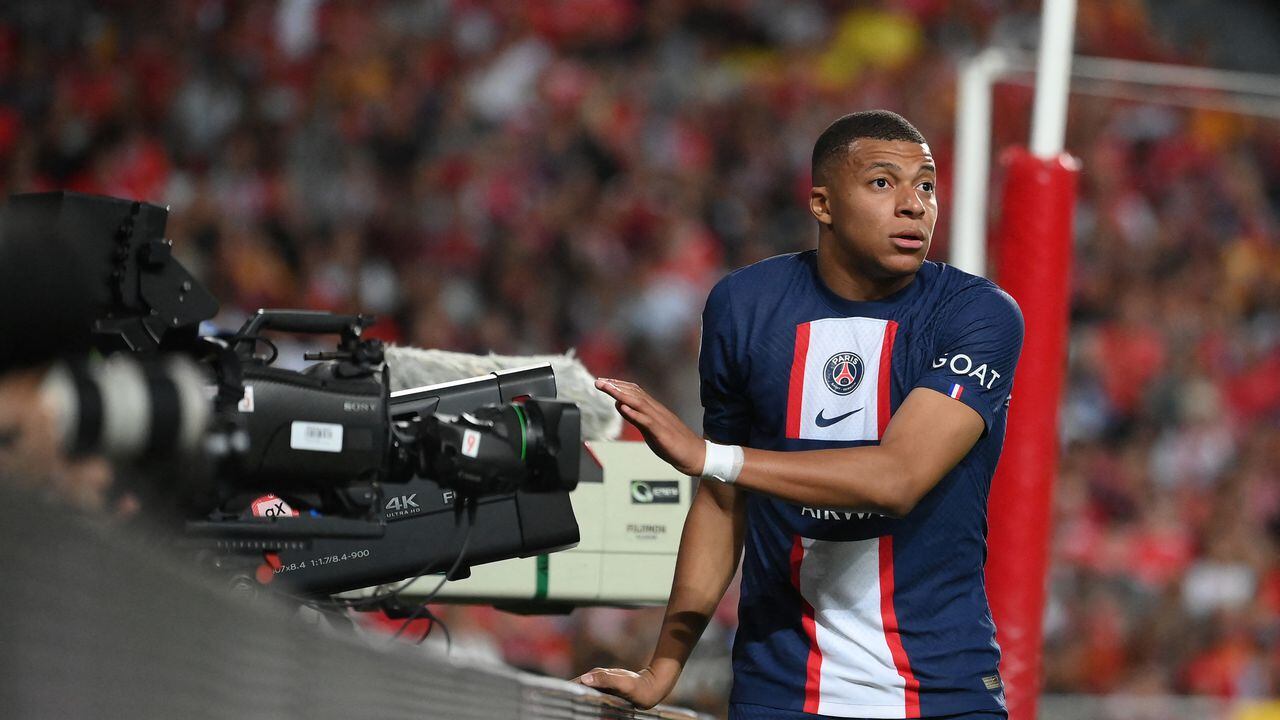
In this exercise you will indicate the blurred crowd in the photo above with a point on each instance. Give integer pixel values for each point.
(538, 177)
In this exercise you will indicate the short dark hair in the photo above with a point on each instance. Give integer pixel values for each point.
(834, 142)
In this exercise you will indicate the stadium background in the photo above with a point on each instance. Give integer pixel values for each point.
(528, 178)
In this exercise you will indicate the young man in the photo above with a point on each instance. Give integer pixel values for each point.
(855, 401)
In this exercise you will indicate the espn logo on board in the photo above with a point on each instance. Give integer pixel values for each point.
(652, 492)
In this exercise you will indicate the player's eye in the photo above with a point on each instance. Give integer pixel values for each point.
(927, 186)
(880, 183)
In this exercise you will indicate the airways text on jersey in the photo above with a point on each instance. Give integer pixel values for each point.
(841, 366)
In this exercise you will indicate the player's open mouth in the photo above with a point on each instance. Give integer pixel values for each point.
(908, 240)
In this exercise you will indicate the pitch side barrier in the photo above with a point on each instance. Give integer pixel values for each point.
(99, 623)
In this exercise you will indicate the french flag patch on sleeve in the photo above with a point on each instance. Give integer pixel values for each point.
(956, 391)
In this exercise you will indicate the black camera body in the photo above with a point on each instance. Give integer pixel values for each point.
(322, 480)
(304, 429)
(415, 524)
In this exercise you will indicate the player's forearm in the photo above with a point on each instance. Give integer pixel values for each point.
(928, 436)
(867, 479)
(710, 545)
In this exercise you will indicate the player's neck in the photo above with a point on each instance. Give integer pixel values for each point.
(850, 282)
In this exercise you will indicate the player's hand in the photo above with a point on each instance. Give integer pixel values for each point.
(642, 689)
(668, 437)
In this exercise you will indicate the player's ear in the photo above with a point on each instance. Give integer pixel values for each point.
(820, 204)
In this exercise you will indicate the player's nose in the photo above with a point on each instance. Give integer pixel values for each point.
(909, 204)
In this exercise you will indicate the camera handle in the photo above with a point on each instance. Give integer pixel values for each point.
(311, 322)
(356, 357)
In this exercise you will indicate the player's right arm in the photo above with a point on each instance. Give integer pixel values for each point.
(711, 542)
(710, 546)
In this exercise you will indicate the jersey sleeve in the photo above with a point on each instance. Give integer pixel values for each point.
(976, 351)
(726, 409)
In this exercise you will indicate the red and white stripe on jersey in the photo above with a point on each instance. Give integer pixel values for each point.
(808, 396)
(857, 666)
(956, 391)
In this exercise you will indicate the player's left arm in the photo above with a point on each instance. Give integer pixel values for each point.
(952, 404)
(928, 435)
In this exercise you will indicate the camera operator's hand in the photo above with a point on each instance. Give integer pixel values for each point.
(642, 689)
(668, 437)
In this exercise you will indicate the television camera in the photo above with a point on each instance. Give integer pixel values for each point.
(317, 481)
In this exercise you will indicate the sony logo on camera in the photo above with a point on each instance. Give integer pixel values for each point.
(358, 406)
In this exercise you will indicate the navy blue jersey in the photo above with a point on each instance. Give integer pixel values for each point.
(846, 613)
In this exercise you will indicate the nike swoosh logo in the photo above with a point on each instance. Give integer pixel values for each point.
(828, 422)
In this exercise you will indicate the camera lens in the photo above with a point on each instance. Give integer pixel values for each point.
(126, 409)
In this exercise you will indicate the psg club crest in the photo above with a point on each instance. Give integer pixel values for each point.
(844, 372)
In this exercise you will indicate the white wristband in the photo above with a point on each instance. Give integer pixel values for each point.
(723, 462)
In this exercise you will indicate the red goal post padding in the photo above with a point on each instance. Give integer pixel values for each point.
(1034, 266)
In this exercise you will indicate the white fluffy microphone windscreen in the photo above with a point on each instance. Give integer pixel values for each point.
(415, 367)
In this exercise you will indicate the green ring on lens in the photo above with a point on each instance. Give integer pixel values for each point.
(520, 414)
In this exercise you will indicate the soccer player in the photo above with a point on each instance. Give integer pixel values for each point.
(855, 401)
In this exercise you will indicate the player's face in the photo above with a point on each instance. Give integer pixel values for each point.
(880, 207)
